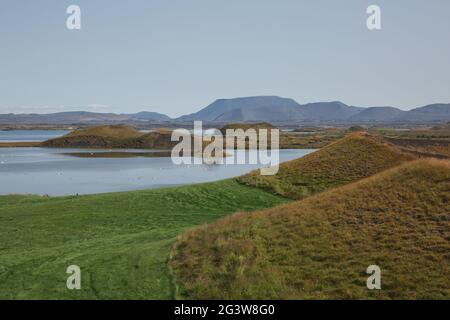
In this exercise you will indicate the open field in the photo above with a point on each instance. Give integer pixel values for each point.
(121, 241)
(320, 247)
(428, 141)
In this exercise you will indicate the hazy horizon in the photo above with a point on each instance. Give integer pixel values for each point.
(82, 109)
(177, 57)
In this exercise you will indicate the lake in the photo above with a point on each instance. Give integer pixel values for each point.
(54, 172)
(30, 135)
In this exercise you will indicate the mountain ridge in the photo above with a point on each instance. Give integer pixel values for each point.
(253, 109)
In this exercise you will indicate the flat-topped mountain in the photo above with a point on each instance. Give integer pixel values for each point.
(246, 109)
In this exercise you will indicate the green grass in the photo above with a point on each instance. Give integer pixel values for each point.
(321, 246)
(121, 241)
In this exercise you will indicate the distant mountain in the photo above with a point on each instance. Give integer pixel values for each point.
(270, 109)
(277, 109)
(80, 117)
(432, 112)
(260, 108)
(328, 111)
(378, 114)
(149, 116)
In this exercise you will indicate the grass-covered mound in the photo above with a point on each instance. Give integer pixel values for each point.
(346, 160)
(107, 131)
(320, 247)
(121, 241)
(113, 136)
(246, 126)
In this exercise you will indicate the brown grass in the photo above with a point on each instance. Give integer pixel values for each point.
(352, 158)
(113, 136)
(320, 247)
(107, 131)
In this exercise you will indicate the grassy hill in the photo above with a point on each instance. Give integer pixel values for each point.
(113, 136)
(107, 131)
(246, 126)
(351, 158)
(121, 241)
(320, 247)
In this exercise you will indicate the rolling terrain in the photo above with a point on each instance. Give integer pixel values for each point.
(320, 247)
(364, 201)
(346, 160)
(121, 241)
(127, 137)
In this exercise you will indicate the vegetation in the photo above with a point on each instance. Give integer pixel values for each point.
(107, 132)
(424, 148)
(310, 140)
(428, 142)
(121, 241)
(246, 126)
(320, 247)
(123, 136)
(349, 159)
(113, 136)
(300, 138)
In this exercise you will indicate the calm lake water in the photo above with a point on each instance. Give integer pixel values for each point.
(30, 135)
(53, 172)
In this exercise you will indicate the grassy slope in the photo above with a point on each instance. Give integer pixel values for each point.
(320, 247)
(113, 136)
(121, 241)
(351, 158)
(107, 131)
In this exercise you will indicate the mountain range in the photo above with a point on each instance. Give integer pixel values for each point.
(80, 117)
(250, 109)
(277, 109)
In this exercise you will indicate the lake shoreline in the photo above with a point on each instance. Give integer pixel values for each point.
(21, 144)
(70, 171)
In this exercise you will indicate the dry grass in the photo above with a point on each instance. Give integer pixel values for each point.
(437, 148)
(320, 247)
(349, 159)
(107, 131)
(113, 136)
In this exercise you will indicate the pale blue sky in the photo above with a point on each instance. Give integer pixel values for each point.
(176, 56)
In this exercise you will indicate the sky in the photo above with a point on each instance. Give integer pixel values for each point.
(177, 56)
